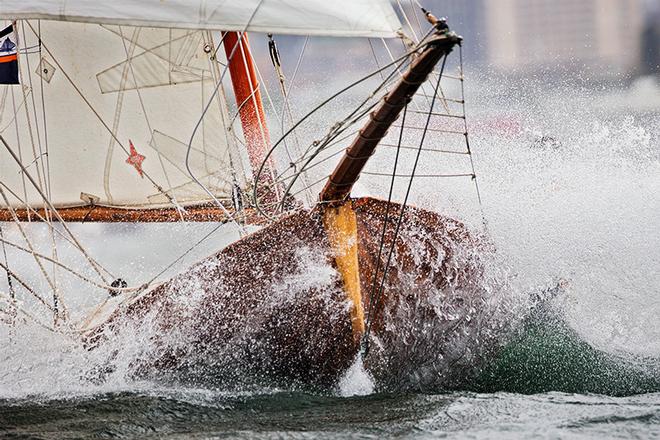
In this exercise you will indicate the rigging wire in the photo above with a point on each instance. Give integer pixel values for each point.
(206, 108)
(10, 283)
(28, 118)
(27, 287)
(16, 309)
(334, 130)
(69, 269)
(129, 51)
(363, 347)
(231, 218)
(104, 123)
(41, 267)
(98, 268)
(46, 167)
(119, 102)
(255, 88)
(235, 163)
(29, 210)
(374, 302)
(467, 140)
(286, 107)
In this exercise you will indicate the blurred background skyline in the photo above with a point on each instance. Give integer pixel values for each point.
(601, 39)
(608, 37)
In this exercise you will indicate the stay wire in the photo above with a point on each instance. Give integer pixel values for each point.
(206, 109)
(338, 129)
(467, 140)
(401, 59)
(385, 222)
(379, 294)
(10, 284)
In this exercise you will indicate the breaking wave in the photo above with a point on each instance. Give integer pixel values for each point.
(568, 192)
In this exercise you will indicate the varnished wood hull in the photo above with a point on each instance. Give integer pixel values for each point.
(272, 305)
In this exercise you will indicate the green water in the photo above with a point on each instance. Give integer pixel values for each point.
(184, 414)
(546, 383)
(548, 355)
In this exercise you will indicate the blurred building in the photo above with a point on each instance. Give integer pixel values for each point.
(467, 18)
(651, 38)
(529, 34)
(599, 37)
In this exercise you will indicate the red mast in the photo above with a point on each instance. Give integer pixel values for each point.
(248, 97)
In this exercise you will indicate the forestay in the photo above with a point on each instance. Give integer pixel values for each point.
(367, 18)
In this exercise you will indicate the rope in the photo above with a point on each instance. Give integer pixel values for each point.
(286, 108)
(104, 124)
(467, 140)
(230, 137)
(27, 112)
(58, 331)
(93, 263)
(27, 287)
(375, 305)
(10, 284)
(231, 217)
(43, 110)
(68, 269)
(335, 130)
(46, 166)
(18, 143)
(382, 236)
(180, 257)
(18, 309)
(37, 215)
(56, 297)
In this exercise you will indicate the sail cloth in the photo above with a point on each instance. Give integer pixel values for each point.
(105, 113)
(110, 98)
(365, 18)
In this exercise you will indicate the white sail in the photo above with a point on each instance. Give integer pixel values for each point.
(114, 107)
(367, 18)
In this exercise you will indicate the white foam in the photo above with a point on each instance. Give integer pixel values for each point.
(356, 381)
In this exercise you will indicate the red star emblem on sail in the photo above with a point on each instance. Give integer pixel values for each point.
(135, 159)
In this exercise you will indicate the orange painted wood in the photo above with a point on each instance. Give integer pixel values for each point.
(248, 96)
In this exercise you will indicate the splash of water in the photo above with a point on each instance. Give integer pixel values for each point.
(356, 381)
(569, 191)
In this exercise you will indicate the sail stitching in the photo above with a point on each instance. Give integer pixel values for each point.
(129, 51)
(105, 125)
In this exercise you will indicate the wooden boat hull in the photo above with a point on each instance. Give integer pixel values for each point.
(272, 304)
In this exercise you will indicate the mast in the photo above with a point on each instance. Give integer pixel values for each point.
(348, 170)
(248, 96)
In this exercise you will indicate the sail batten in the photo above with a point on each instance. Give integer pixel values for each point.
(362, 18)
